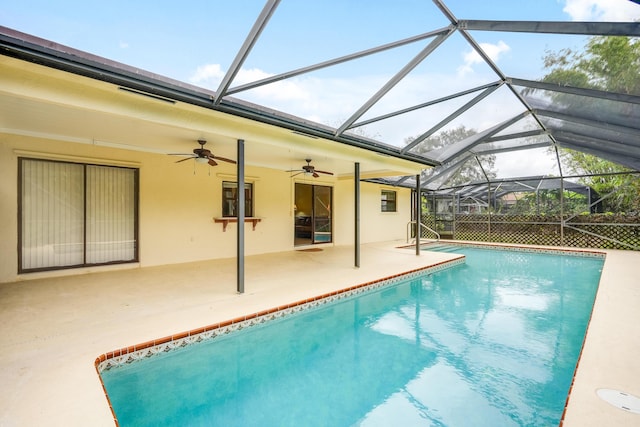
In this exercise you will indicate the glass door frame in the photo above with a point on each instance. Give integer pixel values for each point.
(311, 226)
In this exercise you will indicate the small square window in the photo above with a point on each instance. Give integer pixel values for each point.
(388, 201)
(229, 199)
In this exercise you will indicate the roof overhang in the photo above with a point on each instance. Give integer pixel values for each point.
(55, 92)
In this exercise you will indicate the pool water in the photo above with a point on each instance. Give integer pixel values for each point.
(493, 342)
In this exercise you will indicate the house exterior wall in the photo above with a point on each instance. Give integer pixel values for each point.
(178, 204)
(375, 225)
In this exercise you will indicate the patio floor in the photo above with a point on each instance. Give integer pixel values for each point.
(53, 329)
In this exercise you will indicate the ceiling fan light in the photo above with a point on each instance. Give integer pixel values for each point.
(202, 160)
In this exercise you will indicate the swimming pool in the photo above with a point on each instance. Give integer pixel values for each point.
(488, 340)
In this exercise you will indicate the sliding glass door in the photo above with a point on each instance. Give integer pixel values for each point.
(313, 220)
(74, 215)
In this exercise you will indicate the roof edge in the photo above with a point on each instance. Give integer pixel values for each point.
(47, 53)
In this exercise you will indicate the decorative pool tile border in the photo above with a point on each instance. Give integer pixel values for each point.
(147, 349)
(553, 251)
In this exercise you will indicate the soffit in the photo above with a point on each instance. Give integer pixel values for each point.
(52, 104)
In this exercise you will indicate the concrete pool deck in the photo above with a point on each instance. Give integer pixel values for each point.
(52, 329)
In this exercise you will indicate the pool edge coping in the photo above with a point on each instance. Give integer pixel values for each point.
(584, 252)
(241, 322)
(125, 355)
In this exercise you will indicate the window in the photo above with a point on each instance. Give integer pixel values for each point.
(388, 201)
(74, 215)
(230, 196)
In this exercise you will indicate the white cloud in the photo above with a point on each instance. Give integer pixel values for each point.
(287, 90)
(493, 51)
(602, 10)
(211, 75)
(123, 45)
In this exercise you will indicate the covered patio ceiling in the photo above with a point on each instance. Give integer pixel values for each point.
(511, 112)
(55, 105)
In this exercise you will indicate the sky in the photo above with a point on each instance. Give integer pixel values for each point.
(196, 41)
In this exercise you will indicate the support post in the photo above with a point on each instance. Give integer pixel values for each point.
(489, 209)
(418, 213)
(561, 195)
(562, 211)
(240, 212)
(356, 192)
(486, 177)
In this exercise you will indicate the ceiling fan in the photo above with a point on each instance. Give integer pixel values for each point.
(309, 170)
(202, 155)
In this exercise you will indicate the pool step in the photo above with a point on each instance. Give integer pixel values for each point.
(440, 247)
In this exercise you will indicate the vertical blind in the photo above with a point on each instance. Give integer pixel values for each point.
(75, 214)
(110, 218)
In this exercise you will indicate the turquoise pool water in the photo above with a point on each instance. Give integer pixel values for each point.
(493, 342)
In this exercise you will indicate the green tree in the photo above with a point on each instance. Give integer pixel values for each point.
(610, 63)
(548, 202)
(624, 189)
(470, 171)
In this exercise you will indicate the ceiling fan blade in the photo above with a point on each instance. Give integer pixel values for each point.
(223, 159)
(296, 174)
(212, 162)
(180, 154)
(295, 170)
(315, 175)
(327, 173)
(183, 160)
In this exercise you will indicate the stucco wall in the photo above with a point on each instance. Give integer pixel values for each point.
(177, 208)
(375, 225)
(8, 211)
(179, 201)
